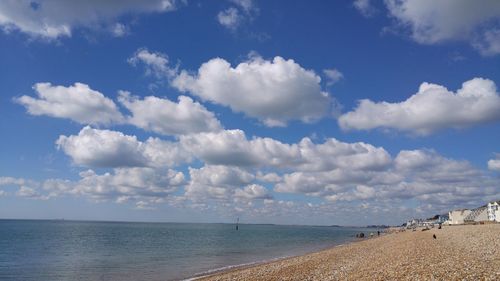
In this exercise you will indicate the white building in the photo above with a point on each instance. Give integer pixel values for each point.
(458, 216)
(494, 211)
(477, 215)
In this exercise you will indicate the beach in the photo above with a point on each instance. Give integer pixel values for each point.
(466, 252)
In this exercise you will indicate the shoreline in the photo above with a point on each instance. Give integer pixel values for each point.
(230, 268)
(467, 252)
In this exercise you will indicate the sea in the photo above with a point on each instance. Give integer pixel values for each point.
(84, 250)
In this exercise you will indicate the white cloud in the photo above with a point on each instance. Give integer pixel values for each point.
(78, 102)
(234, 165)
(251, 192)
(232, 17)
(325, 183)
(86, 106)
(53, 19)
(29, 192)
(15, 181)
(431, 109)
(166, 117)
(269, 177)
(246, 5)
(429, 166)
(489, 43)
(120, 185)
(119, 30)
(361, 192)
(424, 177)
(333, 76)
(229, 18)
(420, 175)
(365, 7)
(216, 182)
(274, 92)
(26, 188)
(162, 153)
(128, 183)
(431, 22)
(105, 148)
(231, 147)
(494, 164)
(155, 63)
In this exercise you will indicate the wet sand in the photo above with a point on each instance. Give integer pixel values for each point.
(468, 252)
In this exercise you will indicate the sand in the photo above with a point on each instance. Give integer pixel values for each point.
(468, 252)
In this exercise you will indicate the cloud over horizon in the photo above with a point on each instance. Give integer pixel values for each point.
(260, 170)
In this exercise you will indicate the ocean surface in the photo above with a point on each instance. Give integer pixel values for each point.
(78, 250)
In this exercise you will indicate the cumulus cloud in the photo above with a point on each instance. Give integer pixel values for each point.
(323, 183)
(269, 177)
(155, 63)
(126, 183)
(489, 43)
(229, 18)
(231, 147)
(246, 5)
(251, 192)
(28, 192)
(431, 109)
(166, 117)
(333, 76)
(51, 19)
(119, 30)
(86, 106)
(232, 17)
(274, 92)
(365, 7)
(420, 175)
(494, 164)
(78, 102)
(432, 22)
(121, 185)
(424, 177)
(234, 167)
(216, 182)
(26, 188)
(105, 148)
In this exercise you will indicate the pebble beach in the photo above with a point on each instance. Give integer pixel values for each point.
(466, 252)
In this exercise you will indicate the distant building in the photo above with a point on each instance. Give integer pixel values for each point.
(458, 216)
(493, 210)
(477, 215)
(443, 218)
(413, 223)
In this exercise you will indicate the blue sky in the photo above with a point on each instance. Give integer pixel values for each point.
(322, 112)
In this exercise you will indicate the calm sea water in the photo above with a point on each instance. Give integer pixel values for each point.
(76, 250)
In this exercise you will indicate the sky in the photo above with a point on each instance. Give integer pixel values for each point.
(290, 112)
